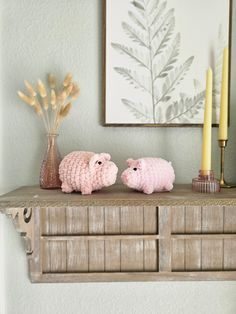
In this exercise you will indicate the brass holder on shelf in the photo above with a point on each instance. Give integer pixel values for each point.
(223, 184)
(206, 182)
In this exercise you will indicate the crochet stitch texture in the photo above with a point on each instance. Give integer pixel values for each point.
(149, 175)
(87, 172)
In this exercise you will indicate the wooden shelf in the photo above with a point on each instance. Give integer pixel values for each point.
(122, 235)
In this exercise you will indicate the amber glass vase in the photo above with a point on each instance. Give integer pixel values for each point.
(49, 173)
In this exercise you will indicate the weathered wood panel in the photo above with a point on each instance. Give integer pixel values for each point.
(113, 255)
(132, 253)
(112, 220)
(77, 256)
(230, 254)
(131, 236)
(77, 220)
(230, 219)
(96, 256)
(165, 244)
(212, 255)
(178, 255)
(132, 220)
(150, 256)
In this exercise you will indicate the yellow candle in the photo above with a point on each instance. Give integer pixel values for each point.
(223, 128)
(206, 143)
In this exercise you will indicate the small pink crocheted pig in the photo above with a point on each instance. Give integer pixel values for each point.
(87, 172)
(149, 175)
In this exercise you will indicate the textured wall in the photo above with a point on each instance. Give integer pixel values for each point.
(61, 36)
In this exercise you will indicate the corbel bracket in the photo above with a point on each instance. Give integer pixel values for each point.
(23, 220)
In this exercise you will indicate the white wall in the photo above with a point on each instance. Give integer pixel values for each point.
(61, 36)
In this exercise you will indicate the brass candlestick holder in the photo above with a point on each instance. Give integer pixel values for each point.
(223, 184)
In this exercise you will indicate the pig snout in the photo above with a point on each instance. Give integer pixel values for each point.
(110, 174)
(125, 177)
(130, 179)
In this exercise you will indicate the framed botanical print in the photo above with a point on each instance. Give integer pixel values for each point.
(156, 56)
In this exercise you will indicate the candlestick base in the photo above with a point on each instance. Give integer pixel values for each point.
(206, 183)
(223, 184)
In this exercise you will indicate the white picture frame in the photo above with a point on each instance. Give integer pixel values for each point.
(156, 54)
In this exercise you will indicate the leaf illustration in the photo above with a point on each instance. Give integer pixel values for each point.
(159, 115)
(186, 108)
(163, 24)
(167, 61)
(175, 77)
(221, 44)
(137, 21)
(133, 78)
(157, 15)
(161, 41)
(154, 50)
(134, 54)
(138, 110)
(139, 6)
(152, 5)
(135, 35)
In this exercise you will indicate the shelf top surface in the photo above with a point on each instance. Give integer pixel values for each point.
(116, 195)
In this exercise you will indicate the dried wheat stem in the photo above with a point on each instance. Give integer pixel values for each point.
(39, 106)
(30, 89)
(68, 79)
(52, 82)
(28, 100)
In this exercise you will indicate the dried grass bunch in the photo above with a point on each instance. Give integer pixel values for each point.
(52, 105)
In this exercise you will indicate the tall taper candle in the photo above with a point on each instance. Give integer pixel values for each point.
(223, 128)
(206, 143)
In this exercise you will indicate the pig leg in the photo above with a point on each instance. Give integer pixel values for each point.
(66, 188)
(148, 190)
(169, 187)
(86, 191)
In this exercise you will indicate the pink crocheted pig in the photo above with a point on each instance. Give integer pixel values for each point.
(149, 175)
(87, 172)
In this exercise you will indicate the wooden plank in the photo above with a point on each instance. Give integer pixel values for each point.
(57, 220)
(132, 220)
(77, 220)
(58, 256)
(96, 220)
(117, 195)
(150, 256)
(208, 236)
(230, 254)
(132, 255)
(193, 222)
(46, 262)
(150, 220)
(112, 220)
(212, 254)
(230, 219)
(104, 237)
(77, 256)
(212, 219)
(136, 276)
(96, 256)
(165, 239)
(178, 255)
(112, 255)
(45, 220)
(178, 219)
(192, 255)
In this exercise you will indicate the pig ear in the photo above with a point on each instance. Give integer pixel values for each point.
(93, 160)
(129, 161)
(105, 156)
(141, 164)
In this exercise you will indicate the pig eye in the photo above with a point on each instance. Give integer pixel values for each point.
(135, 169)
